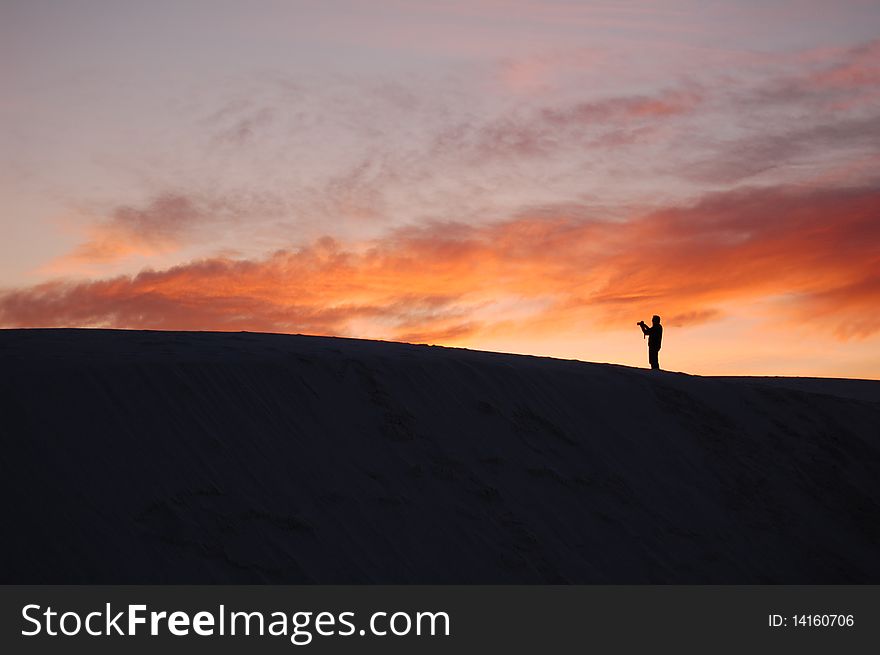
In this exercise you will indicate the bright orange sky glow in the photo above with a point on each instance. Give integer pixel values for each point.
(535, 184)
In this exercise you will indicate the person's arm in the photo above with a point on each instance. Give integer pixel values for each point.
(645, 328)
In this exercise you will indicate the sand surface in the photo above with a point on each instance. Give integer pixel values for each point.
(178, 457)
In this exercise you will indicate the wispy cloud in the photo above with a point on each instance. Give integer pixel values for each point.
(369, 155)
(155, 228)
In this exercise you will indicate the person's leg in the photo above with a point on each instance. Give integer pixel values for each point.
(653, 358)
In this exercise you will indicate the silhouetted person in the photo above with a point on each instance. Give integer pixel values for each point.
(655, 337)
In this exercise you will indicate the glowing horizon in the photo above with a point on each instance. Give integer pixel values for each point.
(530, 177)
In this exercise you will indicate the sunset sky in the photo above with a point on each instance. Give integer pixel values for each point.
(530, 176)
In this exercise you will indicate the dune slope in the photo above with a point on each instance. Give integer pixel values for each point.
(162, 457)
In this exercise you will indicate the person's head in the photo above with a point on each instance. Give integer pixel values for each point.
(655, 319)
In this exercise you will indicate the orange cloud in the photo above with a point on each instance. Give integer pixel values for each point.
(809, 253)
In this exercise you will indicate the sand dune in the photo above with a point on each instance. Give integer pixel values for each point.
(133, 456)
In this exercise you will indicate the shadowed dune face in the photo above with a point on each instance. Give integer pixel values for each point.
(216, 457)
